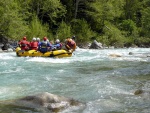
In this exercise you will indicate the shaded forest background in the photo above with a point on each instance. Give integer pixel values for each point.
(116, 23)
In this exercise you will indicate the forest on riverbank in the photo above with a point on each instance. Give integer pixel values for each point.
(116, 23)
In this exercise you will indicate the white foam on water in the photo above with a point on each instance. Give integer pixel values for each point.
(49, 60)
(60, 70)
(5, 57)
(9, 91)
(12, 71)
(3, 63)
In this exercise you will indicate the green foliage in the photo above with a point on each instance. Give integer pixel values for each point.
(101, 11)
(70, 9)
(113, 22)
(63, 31)
(52, 10)
(113, 36)
(37, 29)
(146, 21)
(128, 42)
(129, 26)
(82, 30)
(12, 24)
(142, 41)
(130, 9)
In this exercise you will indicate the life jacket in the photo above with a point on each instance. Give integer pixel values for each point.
(23, 43)
(44, 44)
(34, 45)
(60, 46)
(71, 44)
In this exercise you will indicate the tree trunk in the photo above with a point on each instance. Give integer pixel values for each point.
(76, 7)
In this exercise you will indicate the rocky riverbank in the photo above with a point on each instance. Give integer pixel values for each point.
(7, 44)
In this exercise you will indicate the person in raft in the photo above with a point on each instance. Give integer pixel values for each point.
(57, 45)
(38, 40)
(44, 45)
(70, 45)
(24, 44)
(34, 44)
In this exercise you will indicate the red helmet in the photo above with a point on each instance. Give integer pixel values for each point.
(45, 38)
(24, 38)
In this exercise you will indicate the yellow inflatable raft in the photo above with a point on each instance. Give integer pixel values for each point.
(34, 53)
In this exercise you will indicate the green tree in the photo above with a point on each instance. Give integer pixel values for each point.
(113, 36)
(63, 31)
(37, 29)
(12, 24)
(146, 19)
(70, 10)
(101, 10)
(82, 30)
(129, 26)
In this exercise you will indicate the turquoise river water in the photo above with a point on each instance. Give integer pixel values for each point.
(106, 84)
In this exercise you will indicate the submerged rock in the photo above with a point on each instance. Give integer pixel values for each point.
(144, 94)
(130, 53)
(138, 92)
(148, 55)
(114, 55)
(45, 102)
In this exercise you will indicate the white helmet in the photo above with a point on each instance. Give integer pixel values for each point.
(38, 39)
(34, 39)
(57, 41)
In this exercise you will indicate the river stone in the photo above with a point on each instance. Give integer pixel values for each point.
(46, 101)
(138, 92)
(130, 53)
(114, 55)
(96, 45)
(148, 55)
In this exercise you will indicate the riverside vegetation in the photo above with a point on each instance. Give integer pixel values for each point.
(122, 23)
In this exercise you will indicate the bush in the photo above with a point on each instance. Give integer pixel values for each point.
(82, 30)
(37, 29)
(63, 31)
(129, 26)
(112, 36)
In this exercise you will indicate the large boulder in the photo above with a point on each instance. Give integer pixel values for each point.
(45, 102)
(7, 44)
(3, 39)
(96, 45)
(7, 47)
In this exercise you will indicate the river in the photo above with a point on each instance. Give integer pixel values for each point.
(106, 84)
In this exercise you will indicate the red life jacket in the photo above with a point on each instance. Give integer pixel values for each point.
(24, 45)
(71, 44)
(34, 45)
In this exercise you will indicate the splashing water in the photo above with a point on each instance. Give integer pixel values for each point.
(104, 83)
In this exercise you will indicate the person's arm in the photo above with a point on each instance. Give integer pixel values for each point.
(67, 46)
(74, 47)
